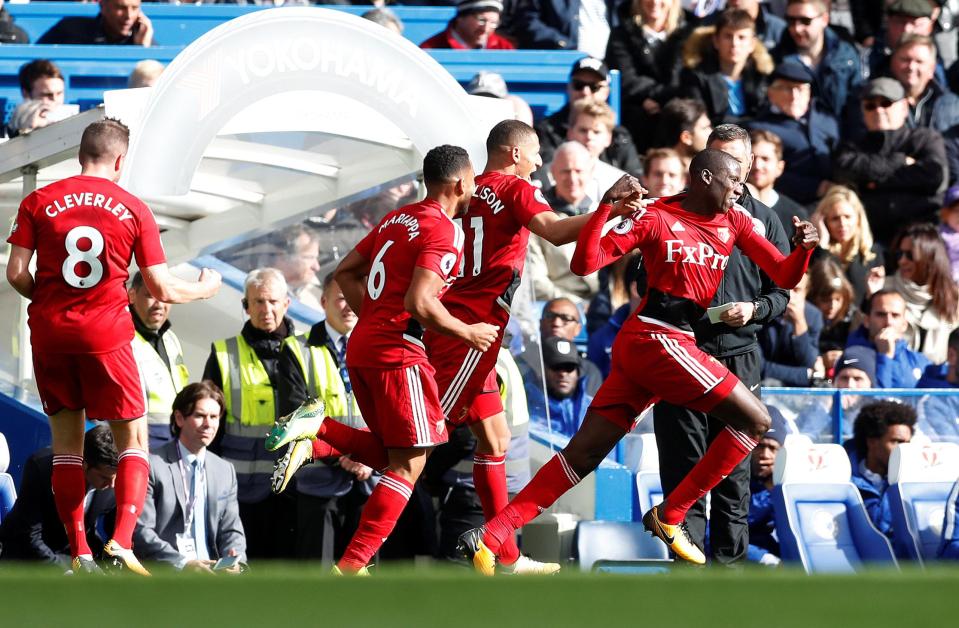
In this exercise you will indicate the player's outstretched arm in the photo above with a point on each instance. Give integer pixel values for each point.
(786, 271)
(350, 276)
(18, 270)
(557, 230)
(167, 287)
(421, 301)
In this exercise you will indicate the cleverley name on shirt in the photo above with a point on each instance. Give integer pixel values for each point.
(88, 199)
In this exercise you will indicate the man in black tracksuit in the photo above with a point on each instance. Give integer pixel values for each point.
(682, 435)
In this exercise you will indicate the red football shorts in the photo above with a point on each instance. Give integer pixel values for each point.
(400, 405)
(659, 363)
(466, 378)
(106, 385)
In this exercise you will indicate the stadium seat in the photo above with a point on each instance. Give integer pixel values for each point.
(642, 457)
(920, 479)
(820, 517)
(8, 492)
(615, 541)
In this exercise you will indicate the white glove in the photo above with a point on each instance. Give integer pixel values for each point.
(770, 560)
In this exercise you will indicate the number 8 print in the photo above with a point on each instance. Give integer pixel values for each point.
(75, 256)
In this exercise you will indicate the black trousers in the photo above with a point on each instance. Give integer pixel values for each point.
(325, 525)
(682, 436)
(270, 527)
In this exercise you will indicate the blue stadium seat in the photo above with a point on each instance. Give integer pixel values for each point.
(820, 517)
(920, 479)
(642, 457)
(615, 541)
(8, 491)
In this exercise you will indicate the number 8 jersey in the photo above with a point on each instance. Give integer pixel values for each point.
(420, 234)
(85, 231)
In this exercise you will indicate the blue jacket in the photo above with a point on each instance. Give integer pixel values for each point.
(938, 109)
(762, 524)
(838, 77)
(600, 345)
(786, 356)
(949, 547)
(903, 370)
(807, 149)
(566, 415)
(554, 24)
(938, 414)
(875, 497)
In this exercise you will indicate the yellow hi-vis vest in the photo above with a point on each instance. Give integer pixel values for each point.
(340, 405)
(162, 383)
(247, 391)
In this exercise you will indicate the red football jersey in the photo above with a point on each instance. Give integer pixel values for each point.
(421, 235)
(496, 239)
(686, 253)
(85, 231)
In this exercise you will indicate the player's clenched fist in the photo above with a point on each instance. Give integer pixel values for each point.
(806, 235)
(211, 280)
(481, 336)
(626, 186)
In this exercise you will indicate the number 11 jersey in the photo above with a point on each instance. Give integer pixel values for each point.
(495, 228)
(85, 231)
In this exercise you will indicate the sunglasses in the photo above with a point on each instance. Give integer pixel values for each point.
(566, 318)
(872, 105)
(564, 368)
(904, 254)
(593, 87)
(801, 19)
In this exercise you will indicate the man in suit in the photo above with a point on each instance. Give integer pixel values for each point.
(33, 531)
(191, 516)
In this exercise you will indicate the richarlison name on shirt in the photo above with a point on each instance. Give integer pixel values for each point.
(88, 199)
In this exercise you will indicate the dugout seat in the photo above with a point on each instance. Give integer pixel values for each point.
(920, 480)
(642, 456)
(820, 517)
(8, 492)
(619, 542)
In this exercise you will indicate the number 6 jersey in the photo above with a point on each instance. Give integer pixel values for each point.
(85, 231)
(420, 234)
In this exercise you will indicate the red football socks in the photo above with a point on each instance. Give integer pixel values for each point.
(489, 478)
(69, 491)
(727, 450)
(133, 472)
(362, 445)
(555, 478)
(379, 517)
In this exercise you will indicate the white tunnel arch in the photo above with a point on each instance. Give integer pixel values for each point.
(288, 50)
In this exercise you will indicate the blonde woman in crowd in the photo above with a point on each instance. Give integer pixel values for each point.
(845, 236)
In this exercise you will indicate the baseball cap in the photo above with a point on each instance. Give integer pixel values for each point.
(478, 6)
(779, 427)
(792, 70)
(559, 351)
(951, 197)
(487, 84)
(910, 8)
(858, 357)
(591, 64)
(884, 87)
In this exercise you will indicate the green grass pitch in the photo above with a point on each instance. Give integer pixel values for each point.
(281, 596)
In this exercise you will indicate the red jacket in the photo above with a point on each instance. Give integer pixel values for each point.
(447, 39)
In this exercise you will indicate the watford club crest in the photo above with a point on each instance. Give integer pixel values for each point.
(723, 233)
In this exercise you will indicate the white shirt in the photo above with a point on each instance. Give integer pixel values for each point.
(593, 28)
(198, 531)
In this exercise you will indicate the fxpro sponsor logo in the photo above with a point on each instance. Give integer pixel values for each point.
(700, 254)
